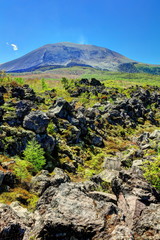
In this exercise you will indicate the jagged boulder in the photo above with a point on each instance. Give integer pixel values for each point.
(147, 225)
(58, 177)
(95, 82)
(134, 194)
(46, 141)
(3, 89)
(36, 121)
(43, 180)
(17, 92)
(1, 114)
(1, 99)
(29, 93)
(11, 226)
(40, 182)
(1, 177)
(13, 140)
(23, 108)
(84, 81)
(61, 109)
(24, 92)
(96, 140)
(68, 212)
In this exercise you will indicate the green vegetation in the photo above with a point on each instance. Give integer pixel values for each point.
(146, 68)
(44, 85)
(82, 159)
(25, 198)
(22, 169)
(35, 155)
(152, 171)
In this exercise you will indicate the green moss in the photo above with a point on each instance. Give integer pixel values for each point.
(22, 169)
(151, 170)
(91, 164)
(21, 195)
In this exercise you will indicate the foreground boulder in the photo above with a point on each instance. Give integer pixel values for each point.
(134, 195)
(69, 212)
(11, 226)
(147, 226)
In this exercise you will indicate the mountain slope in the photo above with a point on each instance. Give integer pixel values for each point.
(67, 55)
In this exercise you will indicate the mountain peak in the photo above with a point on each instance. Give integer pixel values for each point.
(66, 54)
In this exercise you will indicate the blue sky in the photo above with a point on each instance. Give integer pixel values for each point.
(130, 27)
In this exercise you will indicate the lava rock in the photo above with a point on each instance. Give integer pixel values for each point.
(36, 121)
(46, 141)
(17, 92)
(95, 82)
(60, 109)
(40, 182)
(11, 226)
(147, 225)
(23, 108)
(1, 99)
(67, 212)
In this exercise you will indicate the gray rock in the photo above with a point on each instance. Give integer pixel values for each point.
(155, 134)
(96, 140)
(73, 136)
(11, 226)
(40, 182)
(23, 108)
(68, 213)
(132, 184)
(1, 113)
(103, 196)
(147, 225)
(58, 177)
(1, 99)
(108, 175)
(90, 113)
(95, 82)
(18, 92)
(22, 212)
(1, 177)
(61, 109)
(36, 121)
(136, 167)
(43, 180)
(143, 138)
(47, 142)
(112, 163)
(146, 146)
(122, 232)
(134, 194)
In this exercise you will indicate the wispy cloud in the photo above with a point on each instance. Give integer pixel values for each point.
(14, 46)
(82, 40)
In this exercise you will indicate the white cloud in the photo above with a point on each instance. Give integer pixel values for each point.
(14, 46)
(82, 40)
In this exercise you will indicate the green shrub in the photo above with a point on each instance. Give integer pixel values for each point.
(34, 154)
(50, 128)
(19, 80)
(44, 84)
(152, 172)
(65, 82)
(22, 169)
